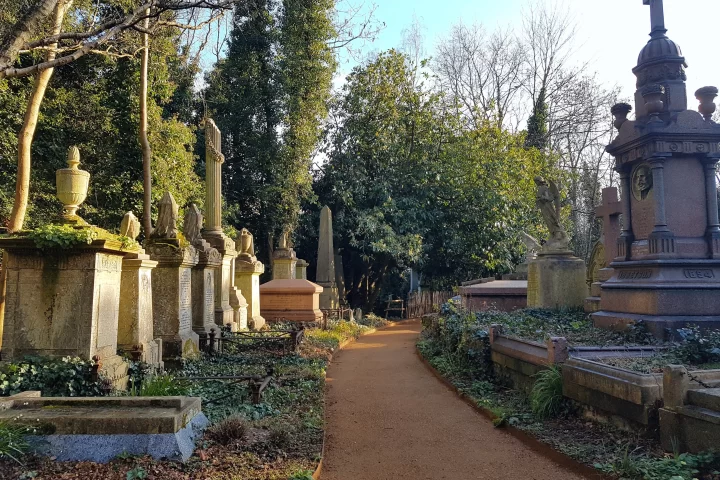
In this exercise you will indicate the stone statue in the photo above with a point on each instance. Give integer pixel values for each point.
(285, 242)
(192, 224)
(533, 246)
(130, 226)
(166, 227)
(547, 200)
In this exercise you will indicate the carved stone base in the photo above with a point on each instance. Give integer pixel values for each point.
(556, 281)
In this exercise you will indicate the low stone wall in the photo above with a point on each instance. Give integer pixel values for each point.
(627, 398)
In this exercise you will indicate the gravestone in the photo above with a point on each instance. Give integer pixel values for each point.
(605, 250)
(240, 307)
(247, 277)
(667, 270)
(203, 274)
(172, 283)
(213, 233)
(556, 278)
(301, 269)
(65, 301)
(135, 323)
(325, 275)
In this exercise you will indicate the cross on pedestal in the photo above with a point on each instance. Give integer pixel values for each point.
(610, 211)
(657, 16)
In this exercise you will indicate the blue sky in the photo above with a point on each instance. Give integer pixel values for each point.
(610, 32)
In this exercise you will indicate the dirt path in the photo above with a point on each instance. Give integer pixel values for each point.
(388, 417)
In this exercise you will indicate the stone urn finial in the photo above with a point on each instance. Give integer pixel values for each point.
(72, 186)
(706, 96)
(653, 96)
(246, 245)
(620, 111)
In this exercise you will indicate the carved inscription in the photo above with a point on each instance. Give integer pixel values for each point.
(699, 273)
(209, 297)
(635, 274)
(185, 293)
(110, 262)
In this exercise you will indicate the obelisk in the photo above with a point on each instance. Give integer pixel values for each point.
(325, 276)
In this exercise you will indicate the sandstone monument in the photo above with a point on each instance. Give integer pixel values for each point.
(605, 250)
(247, 277)
(213, 233)
(172, 283)
(556, 278)
(135, 323)
(667, 270)
(325, 275)
(301, 269)
(65, 301)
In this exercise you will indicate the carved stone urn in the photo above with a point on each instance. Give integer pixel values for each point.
(72, 187)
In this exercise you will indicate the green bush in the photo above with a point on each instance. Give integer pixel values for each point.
(547, 398)
(54, 377)
(698, 347)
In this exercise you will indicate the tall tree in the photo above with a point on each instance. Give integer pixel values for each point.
(537, 126)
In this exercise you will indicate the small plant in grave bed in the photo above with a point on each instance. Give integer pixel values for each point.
(54, 377)
(547, 398)
(12, 441)
(228, 430)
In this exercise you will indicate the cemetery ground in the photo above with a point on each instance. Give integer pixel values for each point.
(279, 438)
(457, 345)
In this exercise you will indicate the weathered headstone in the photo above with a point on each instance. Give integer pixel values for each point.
(203, 274)
(213, 233)
(247, 277)
(556, 278)
(605, 250)
(172, 283)
(135, 323)
(65, 302)
(325, 275)
(667, 271)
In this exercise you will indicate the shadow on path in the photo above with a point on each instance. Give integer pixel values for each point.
(388, 417)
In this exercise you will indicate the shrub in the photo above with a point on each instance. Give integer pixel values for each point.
(547, 398)
(302, 475)
(698, 347)
(54, 377)
(228, 430)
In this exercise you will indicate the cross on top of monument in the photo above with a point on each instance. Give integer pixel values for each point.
(610, 211)
(657, 17)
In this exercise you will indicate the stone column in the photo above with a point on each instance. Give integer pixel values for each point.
(626, 236)
(713, 226)
(224, 278)
(247, 277)
(135, 321)
(325, 275)
(301, 269)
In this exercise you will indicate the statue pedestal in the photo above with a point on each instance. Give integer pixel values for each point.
(556, 280)
(247, 279)
(291, 300)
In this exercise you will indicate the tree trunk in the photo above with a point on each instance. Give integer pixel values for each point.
(27, 132)
(144, 142)
(13, 42)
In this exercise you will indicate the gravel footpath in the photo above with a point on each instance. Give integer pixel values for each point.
(388, 417)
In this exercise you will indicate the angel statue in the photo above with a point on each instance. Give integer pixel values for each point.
(285, 241)
(547, 200)
(532, 245)
(166, 225)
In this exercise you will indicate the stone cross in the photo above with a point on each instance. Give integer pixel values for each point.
(213, 164)
(657, 15)
(609, 211)
(192, 224)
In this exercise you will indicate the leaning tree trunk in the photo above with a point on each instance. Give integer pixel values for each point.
(13, 41)
(27, 132)
(144, 142)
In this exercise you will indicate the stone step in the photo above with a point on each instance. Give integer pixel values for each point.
(708, 398)
(592, 304)
(700, 413)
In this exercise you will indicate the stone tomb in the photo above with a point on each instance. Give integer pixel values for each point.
(667, 272)
(501, 295)
(64, 303)
(98, 429)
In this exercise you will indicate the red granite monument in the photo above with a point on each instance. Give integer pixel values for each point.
(667, 272)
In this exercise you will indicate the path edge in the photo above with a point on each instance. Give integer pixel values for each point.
(557, 457)
(318, 470)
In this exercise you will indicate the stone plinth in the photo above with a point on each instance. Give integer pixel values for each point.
(501, 295)
(301, 269)
(247, 279)
(284, 264)
(556, 280)
(224, 276)
(290, 300)
(172, 297)
(135, 325)
(98, 429)
(64, 303)
(203, 287)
